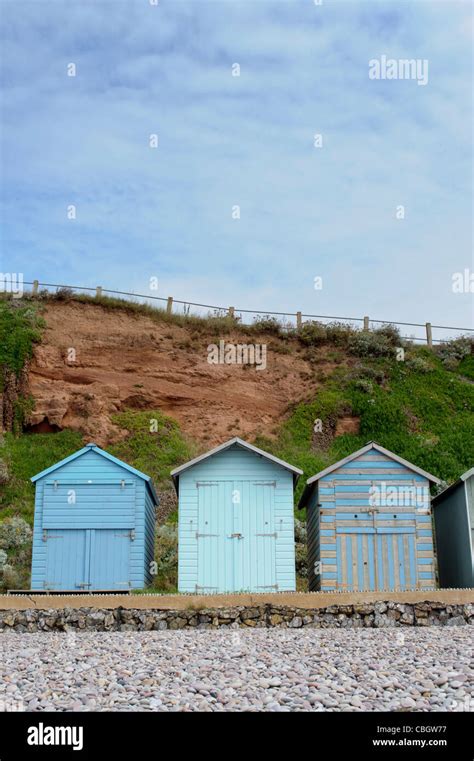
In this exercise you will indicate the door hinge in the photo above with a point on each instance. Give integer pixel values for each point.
(237, 535)
(264, 483)
(269, 586)
(198, 535)
(130, 534)
(45, 535)
(275, 535)
(199, 587)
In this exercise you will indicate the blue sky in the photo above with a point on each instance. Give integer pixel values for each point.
(247, 141)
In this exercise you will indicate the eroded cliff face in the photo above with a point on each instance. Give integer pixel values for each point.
(94, 361)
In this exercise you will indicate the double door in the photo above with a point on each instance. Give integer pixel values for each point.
(87, 559)
(236, 537)
(374, 560)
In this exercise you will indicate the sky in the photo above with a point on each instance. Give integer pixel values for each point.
(332, 211)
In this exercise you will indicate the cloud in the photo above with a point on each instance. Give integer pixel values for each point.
(245, 140)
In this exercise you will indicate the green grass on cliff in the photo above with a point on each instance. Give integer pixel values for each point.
(24, 457)
(425, 415)
(20, 329)
(154, 444)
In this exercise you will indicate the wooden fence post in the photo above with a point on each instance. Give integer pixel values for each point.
(299, 321)
(169, 305)
(231, 312)
(366, 323)
(35, 287)
(429, 335)
(98, 292)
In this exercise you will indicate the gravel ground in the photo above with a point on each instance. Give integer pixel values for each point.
(419, 669)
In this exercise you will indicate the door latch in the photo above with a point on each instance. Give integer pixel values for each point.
(235, 536)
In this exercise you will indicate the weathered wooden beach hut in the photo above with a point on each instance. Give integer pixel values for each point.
(236, 521)
(453, 511)
(369, 524)
(94, 524)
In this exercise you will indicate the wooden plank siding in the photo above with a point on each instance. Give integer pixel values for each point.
(362, 548)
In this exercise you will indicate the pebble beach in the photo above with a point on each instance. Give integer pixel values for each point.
(421, 669)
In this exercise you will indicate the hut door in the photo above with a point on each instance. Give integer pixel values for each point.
(215, 545)
(110, 558)
(87, 559)
(236, 536)
(376, 561)
(67, 555)
(396, 564)
(255, 543)
(356, 567)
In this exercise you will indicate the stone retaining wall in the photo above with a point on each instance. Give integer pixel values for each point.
(378, 614)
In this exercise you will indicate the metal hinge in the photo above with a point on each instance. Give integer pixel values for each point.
(264, 483)
(274, 534)
(130, 534)
(269, 586)
(198, 535)
(45, 535)
(84, 584)
(237, 535)
(199, 587)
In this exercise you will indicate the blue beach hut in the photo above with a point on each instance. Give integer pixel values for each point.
(94, 524)
(236, 521)
(369, 524)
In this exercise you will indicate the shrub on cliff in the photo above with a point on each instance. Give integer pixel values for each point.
(166, 558)
(14, 533)
(20, 328)
(370, 344)
(313, 333)
(15, 553)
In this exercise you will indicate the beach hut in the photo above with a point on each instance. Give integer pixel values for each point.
(236, 522)
(369, 524)
(453, 511)
(94, 524)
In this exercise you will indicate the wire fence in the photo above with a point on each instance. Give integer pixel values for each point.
(289, 319)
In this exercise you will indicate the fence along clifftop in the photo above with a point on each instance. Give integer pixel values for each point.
(298, 317)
